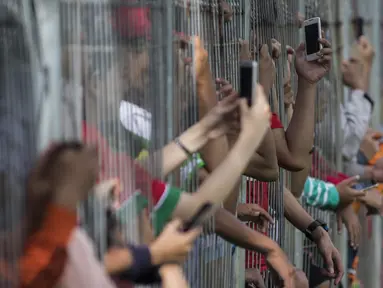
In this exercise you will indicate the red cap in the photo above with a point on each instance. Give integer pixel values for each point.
(132, 22)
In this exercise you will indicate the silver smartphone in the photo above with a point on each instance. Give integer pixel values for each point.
(312, 35)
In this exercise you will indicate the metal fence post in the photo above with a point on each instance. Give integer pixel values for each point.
(48, 19)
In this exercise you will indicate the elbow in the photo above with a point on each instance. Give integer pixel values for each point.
(264, 174)
(292, 165)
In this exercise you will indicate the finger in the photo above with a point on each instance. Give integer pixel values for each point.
(350, 181)
(339, 268)
(193, 234)
(198, 44)
(264, 51)
(243, 107)
(325, 42)
(329, 263)
(188, 61)
(226, 89)
(326, 51)
(175, 224)
(222, 81)
(267, 216)
(357, 193)
(301, 48)
(322, 34)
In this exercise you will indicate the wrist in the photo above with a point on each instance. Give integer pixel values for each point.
(157, 257)
(195, 137)
(318, 233)
(303, 83)
(205, 77)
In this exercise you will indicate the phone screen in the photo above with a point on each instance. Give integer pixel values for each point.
(246, 82)
(312, 36)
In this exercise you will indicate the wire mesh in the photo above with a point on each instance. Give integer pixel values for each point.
(126, 88)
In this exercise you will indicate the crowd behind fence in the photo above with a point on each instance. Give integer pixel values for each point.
(102, 74)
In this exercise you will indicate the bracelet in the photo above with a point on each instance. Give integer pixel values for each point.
(182, 146)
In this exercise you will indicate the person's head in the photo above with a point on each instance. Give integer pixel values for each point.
(132, 29)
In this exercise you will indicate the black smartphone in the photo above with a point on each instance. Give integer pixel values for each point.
(359, 22)
(197, 218)
(248, 79)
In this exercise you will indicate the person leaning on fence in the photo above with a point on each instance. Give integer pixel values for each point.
(262, 62)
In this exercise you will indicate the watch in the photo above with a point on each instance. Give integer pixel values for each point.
(314, 225)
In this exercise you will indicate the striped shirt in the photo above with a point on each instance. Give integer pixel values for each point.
(320, 194)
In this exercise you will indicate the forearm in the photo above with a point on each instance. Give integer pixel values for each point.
(172, 276)
(301, 127)
(221, 182)
(172, 156)
(215, 150)
(299, 178)
(263, 164)
(294, 212)
(234, 231)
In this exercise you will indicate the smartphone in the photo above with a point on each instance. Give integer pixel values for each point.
(197, 218)
(248, 79)
(312, 34)
(370, 187)
(359, 22)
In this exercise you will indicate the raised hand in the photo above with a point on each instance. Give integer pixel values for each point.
(267, 70)
(347, 194)
(313, 71)
(173, 246)
(256, 214)
(353, 76)
(287, 89)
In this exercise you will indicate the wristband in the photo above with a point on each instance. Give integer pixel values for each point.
(182, 147)
(142, 271)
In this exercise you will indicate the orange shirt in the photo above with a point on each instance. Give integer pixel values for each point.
(45, 255)
(372, 161)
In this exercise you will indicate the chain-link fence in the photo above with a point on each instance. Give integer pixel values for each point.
(126, 86)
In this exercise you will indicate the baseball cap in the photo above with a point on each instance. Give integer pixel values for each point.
(131, 22)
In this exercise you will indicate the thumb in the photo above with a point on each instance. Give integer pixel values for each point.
(358, 193)
(350, 181)
(301, 48)
(193, 234)
(175, 224)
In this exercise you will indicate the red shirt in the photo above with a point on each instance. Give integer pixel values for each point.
(258, 192)
(119, 165)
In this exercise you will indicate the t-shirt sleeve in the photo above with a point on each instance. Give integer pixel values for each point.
(165, 198)
(46, 251)
(275, 122)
